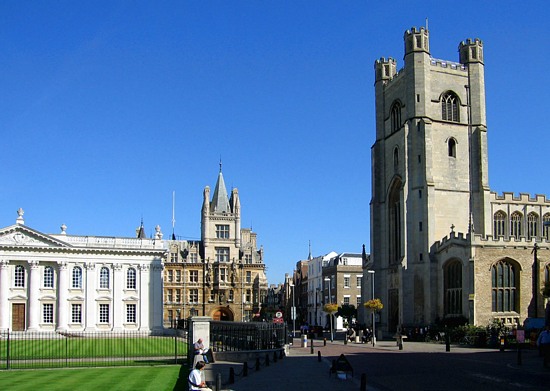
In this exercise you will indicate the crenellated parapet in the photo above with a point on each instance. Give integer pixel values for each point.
(385, 69)
(471, 51)
(522, 198)
(417, 40)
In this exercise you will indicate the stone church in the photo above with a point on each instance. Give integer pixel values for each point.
(442, 243)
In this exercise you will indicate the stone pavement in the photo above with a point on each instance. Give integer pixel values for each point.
(302, 370)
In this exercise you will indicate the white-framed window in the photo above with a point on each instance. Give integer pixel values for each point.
(222, 254)
(76, 313)
(170, 275)
(223, 274)
(131, 278)
(174, 257)
(193, 257)
(48, 277)
(193, 276)
(178, 295)
(130, 313)
(77, 278)
(194, 296)
(248, 276)
(178, 275)
(359, 281)
(169, 295)
(346, 281)
(248, 259)
(47, 313)
(357, 301)
(104, 313)
(104, 278)
(19, 280)
(346, 300)
(222, 231)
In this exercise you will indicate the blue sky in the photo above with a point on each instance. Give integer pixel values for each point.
(107, 107)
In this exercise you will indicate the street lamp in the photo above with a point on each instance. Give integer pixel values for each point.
(373, 319)
(330, 313)
(293, 313)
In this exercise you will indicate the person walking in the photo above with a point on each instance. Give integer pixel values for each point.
(195, 379)
(543, 342)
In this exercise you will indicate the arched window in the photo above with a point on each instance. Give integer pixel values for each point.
(499, 224)
(453, 288)
(532, 225)
(394, 219)
(104, 278)
(131, 278)
(449, 107)
(515, 225)
(546, 225)
(77, 278)
(19, 280)
(48, 277)
(503, 277)
(452, 147)
(395, 159)
(395, 117)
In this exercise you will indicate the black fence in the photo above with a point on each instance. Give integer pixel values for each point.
(26, 350)
(240, 336)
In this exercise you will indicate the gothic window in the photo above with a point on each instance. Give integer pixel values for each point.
(515, 225)
(19, 280)
(104, 278)
(499, 224)
(503, 278)
(449, 107)
(395, 159)
(532, 225)
(452, 147)
(77, 278)
(131, 278)
(546, 225)
(394, 219)
(395, 117)
(48, 277)
(453, 288)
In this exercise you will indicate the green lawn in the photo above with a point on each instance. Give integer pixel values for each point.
(157, 378)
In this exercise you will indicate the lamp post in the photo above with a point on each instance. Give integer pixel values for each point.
(330, 314)
(293, 313)
(372, 272)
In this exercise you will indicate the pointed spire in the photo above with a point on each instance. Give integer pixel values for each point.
(309, 257)
(220, 200)
(141, 231)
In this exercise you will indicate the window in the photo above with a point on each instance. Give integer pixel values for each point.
(77, 278)
(170, 275)
(248, 277)
(231, 295)
(222, 254)
(193, 276)
(19, 280)
(499, 224)
(131, 278)
(104, 313)
(221, 274)
(48, 277)
(503, 278)
(178, 275)
(212, 295)
(248, 296)
(178, 295)
(104, 278)
(358, 301)
(453, 288)
(174, 257)
(359, 281)
(515, 225)
(76, 313)
(193, 296)
(346, 300)
(130, 313)
(222, 231)
(546, 225)
(395, 159)
(346, 282)
(192, 257)
(449, 107)
(47, 313)
(248, 259)
(169, 295)
(452, 147)
(395, 117)
(532, 225)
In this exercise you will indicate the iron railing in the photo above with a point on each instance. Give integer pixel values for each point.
(26, 350)
(238, 336)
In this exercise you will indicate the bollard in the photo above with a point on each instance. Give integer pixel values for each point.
(519, 355)
(447, 343)
(345, 339)
(245, 369)
(257, 364)
(319, 355)
(266, 360)
(502, 344)
(274, 356)
(324, 342)
(363, 382)
(231, 376)
(312, 347)
(218, 382)
(400, 344)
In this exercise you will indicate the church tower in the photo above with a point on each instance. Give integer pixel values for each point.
(429, 171)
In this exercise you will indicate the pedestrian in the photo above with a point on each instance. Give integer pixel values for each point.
(543, 342)
(195, 379)
(201, 350)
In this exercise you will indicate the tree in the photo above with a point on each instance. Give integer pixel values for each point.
(374, 305)
(348, 312)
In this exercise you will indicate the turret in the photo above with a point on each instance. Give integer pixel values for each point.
(417, 41)
(384, 69)
(471, 51)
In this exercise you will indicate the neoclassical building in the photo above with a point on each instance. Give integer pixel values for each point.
(222, 275)
(70, 283)
(442, 243)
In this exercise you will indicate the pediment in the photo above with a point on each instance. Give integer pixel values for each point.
(131, 298)
(18, 298)
(19, 235)
(76, 298)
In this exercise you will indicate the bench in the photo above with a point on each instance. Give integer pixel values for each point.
(341, 366)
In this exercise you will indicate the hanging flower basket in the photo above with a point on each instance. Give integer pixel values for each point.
(374, 305)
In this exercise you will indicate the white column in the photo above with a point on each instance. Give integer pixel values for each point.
(4, 293)
(34, 292)
(117, 307)
(90, 303)
(144, 292)
(62, 296)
